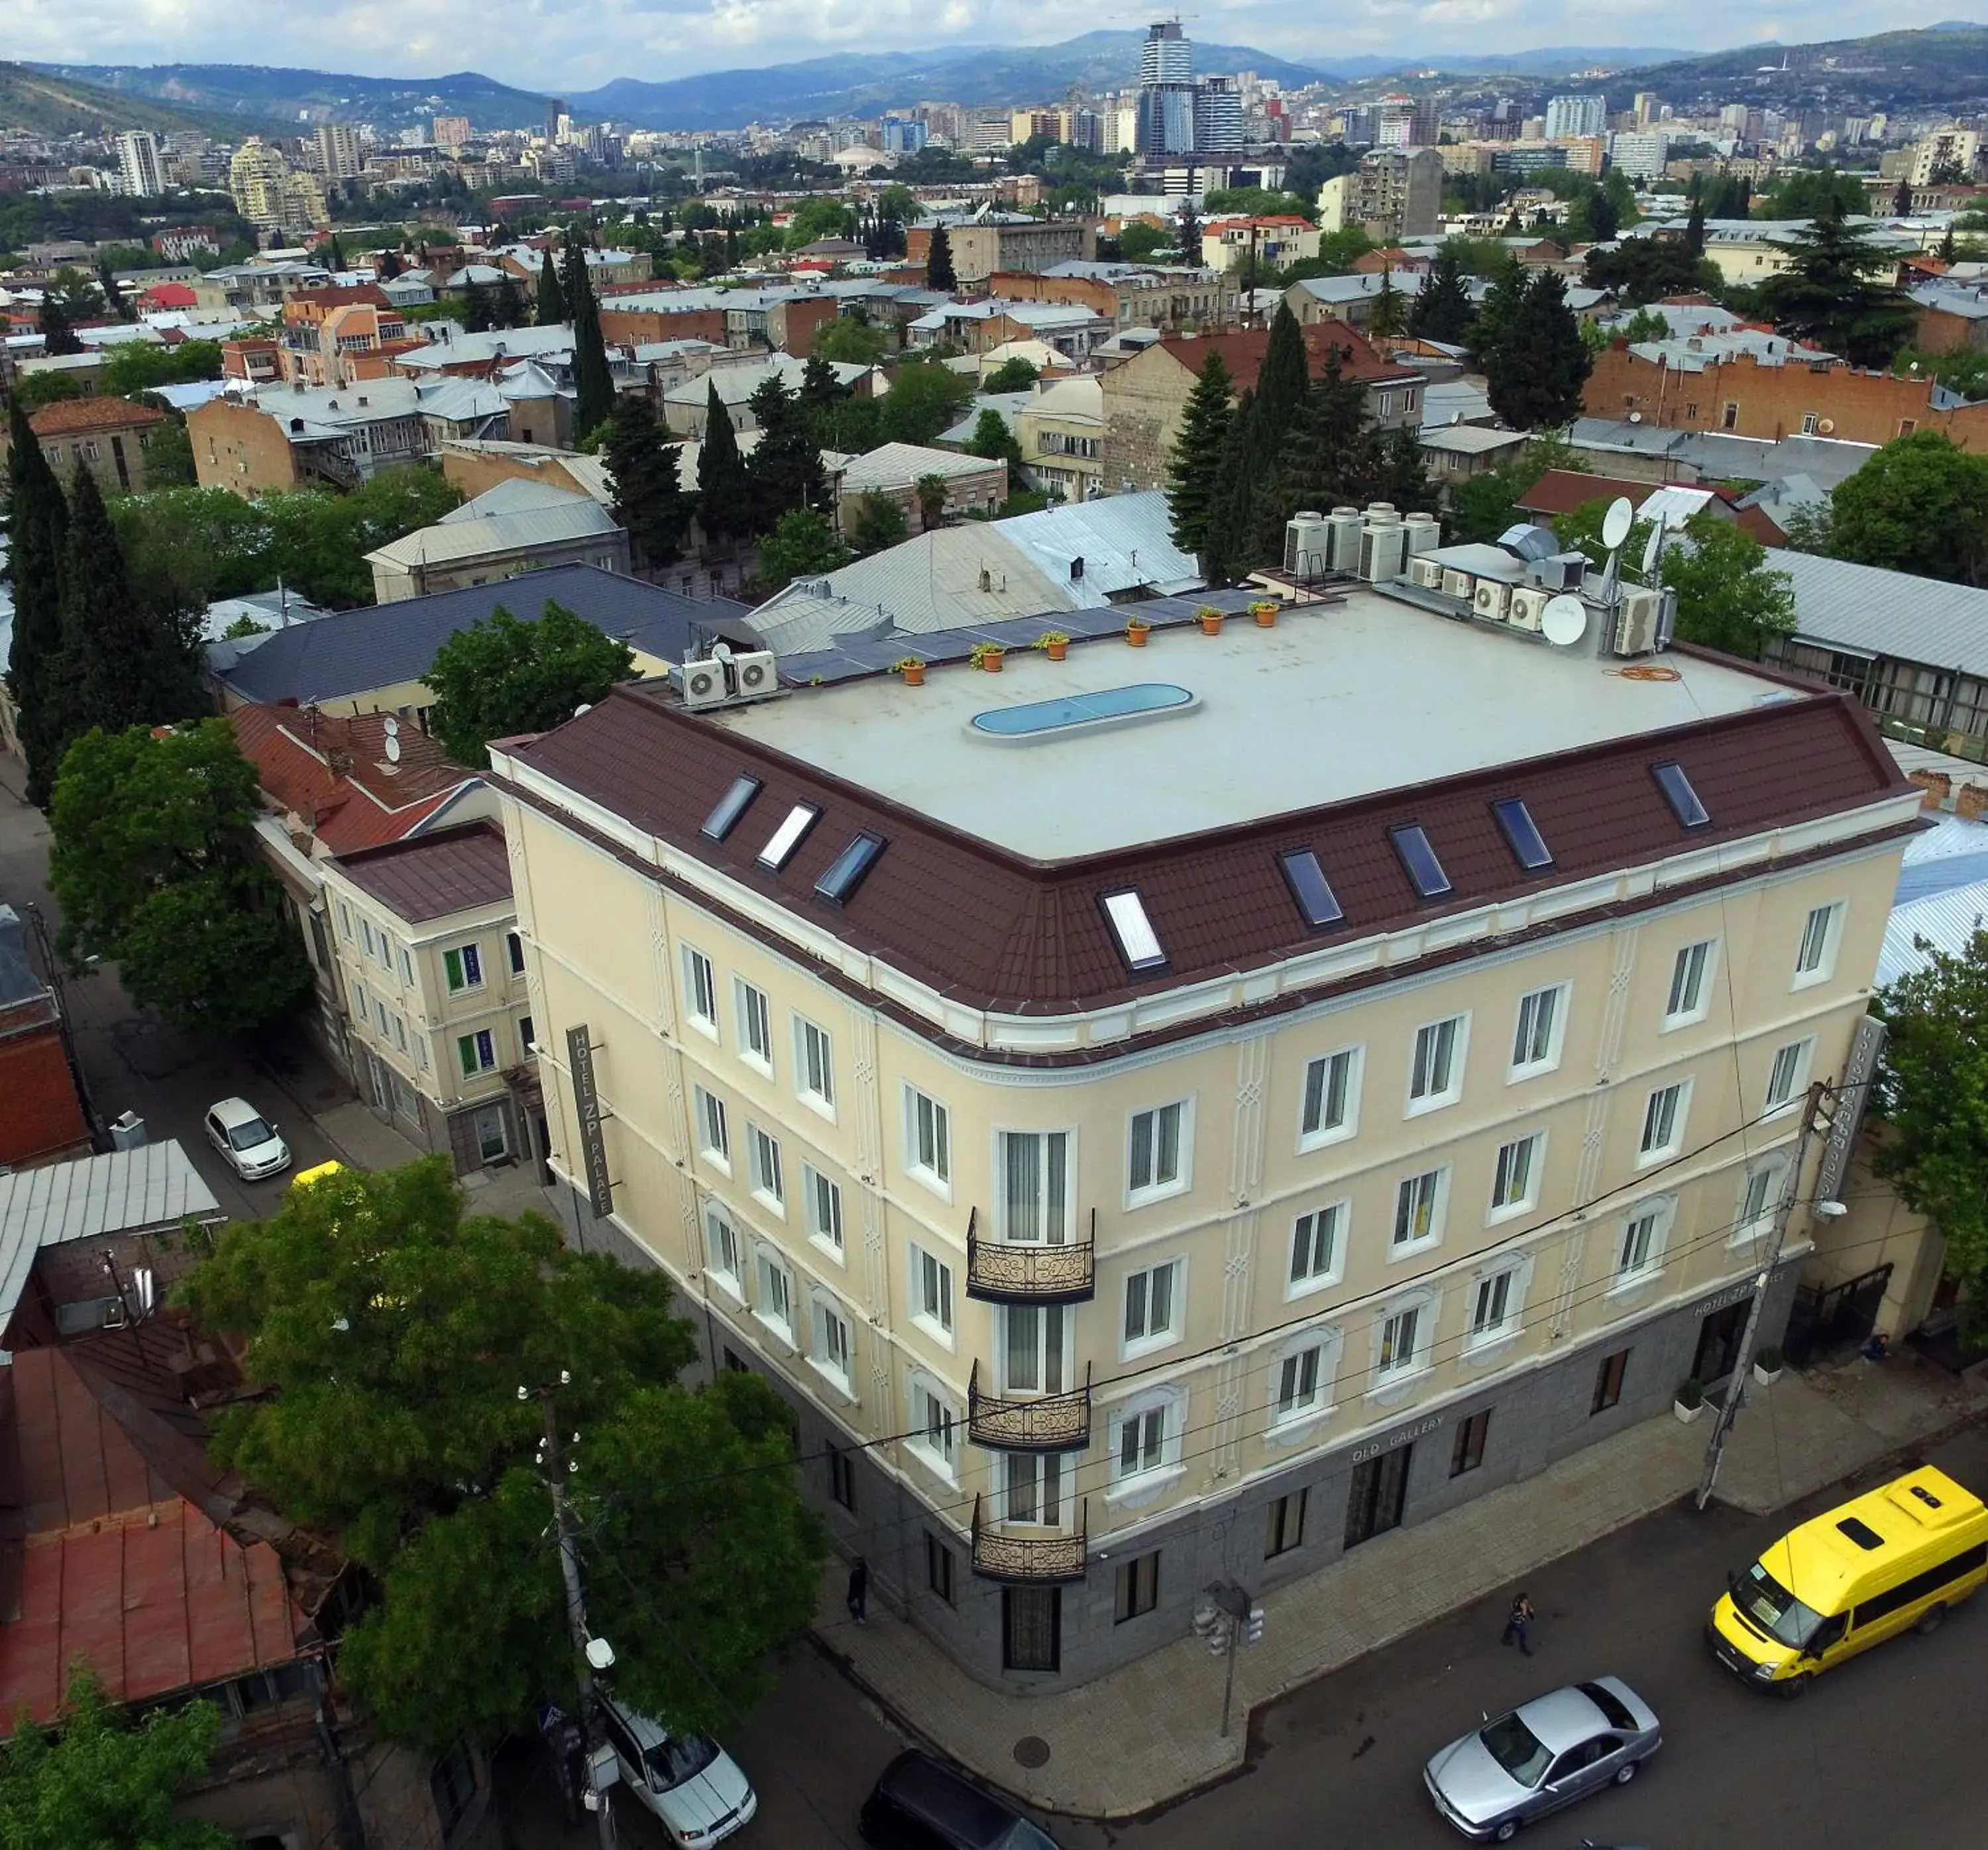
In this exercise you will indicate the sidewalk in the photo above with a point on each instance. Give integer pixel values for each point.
(1141, 1737)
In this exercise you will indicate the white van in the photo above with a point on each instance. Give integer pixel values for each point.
(691, 1784)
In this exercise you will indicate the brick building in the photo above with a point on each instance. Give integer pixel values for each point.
(1002, 240)
(107, 435)
(1129, 295)
(335, 335)
(44, 1119)
(656, 321)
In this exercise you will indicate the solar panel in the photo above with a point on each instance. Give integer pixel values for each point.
(1678, 792)
(787, 837)
(844, 874)
(1523, 833)
(1138, 944)
(724, 817)
(1318, 905)
(1411, 843)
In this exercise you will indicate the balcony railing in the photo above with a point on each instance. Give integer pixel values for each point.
(1029, 1558)
(1041, 1423)
(1001, 1272)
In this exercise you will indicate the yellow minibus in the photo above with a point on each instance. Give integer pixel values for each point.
(1897, 1557)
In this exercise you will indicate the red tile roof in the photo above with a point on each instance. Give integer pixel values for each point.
(995, 931)
(1561, 491)
(1241, 350)
(335, 776)
(451, 871)
(68, 415)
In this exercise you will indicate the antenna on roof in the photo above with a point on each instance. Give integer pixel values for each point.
(393, 740)
(1615, 526)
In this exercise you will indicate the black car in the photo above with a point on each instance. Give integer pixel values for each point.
(919, 1804)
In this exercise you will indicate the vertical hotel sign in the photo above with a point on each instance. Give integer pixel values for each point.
(586, 1103)
(1852, 1098)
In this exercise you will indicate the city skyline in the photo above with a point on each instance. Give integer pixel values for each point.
(662, 39)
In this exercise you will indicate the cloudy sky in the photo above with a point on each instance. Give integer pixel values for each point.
(543, 45)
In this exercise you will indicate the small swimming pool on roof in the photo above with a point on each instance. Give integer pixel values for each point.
(1036, 719)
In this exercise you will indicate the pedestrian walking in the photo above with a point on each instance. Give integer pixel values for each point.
(1516, 1623)
(859, 1590)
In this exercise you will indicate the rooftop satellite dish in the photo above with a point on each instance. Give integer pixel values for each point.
(1653, 548)
(393, 740)
(1616, 523)
(721, 651)
(1564, 621)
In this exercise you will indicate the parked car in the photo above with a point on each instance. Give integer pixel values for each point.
(920, 1804)
(693, 1786)
(247, 1139)
(1544, 1754)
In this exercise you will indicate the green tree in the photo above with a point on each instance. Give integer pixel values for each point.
(643, 466)
(594, 380)
(551, 298)
(1484, 505)
(1390, 317)
(1139, 242)
(58, 332)
(1694, 228)
(151, 865)
(850, 341)
(1284, 380)
(802, 545)
(1826, 296)
(724, 490)
(1920, 505)
(878, 522)
(1012, 375)
(1331, 455)
(1536, 369)
(40, 389)
(478, 317)
(925, 397)
(317, 541)
(929, 493)
(1644, 270)
(394, 1330)
(939, 262)
(169, 455)
(38, 520)
(502, 676)
(994, 437)
(98, 1781)
(1932, 1093)
(1441, 310)
(1194, 470)
(135, 365)
(784, 470)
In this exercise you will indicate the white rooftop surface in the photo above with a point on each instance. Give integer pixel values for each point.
(1390, 695)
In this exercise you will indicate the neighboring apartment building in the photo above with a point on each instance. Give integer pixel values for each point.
(516, 526)
(1395, 193)
(433, 975)
(1151, 1155)
(1273, 239)
(270, 195)
(107, 436)
(1145, 399)
(333, 336)
(1061, 431)
(1004, 241)
(1130, 295)
(686, 405)
(45, 1119)
(1071, 329)
(974, 484)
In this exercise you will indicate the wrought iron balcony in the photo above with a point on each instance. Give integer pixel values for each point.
(1029, 1558)
(1035, 1273)
(1039, 1423)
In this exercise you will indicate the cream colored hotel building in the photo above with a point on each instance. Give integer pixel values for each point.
(1203, 1106)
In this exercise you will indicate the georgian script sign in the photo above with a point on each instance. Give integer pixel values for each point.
(586, 1104)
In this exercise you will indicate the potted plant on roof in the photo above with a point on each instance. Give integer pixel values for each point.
(987, 655)
(1210, 620)
(912, 669)
(1767, 1364)
(1690, 1401)
(1264, 611)
(1136, 630)
(1053, 644)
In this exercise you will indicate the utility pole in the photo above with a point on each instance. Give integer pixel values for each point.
(591, 1652)
(1735, 1392)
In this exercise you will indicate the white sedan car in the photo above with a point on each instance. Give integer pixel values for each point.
(247, 1139)
(692, 1785)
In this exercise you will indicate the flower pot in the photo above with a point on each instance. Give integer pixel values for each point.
(1265, 615)
(1135, 633)
(1765, 1377)
(1687, 1415)
(914, 675)
(991, 662)
(1055, 651)
(1210, 626)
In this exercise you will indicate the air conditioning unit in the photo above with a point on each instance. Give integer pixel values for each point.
(706, 683)
(1307, 545)
(1383, 552)
(1490, 599)
(1459, 585)
(1637, 623)
(1343, 524)
(1424, 533)
(1427, 573)
(756, 674)
(1528, 602)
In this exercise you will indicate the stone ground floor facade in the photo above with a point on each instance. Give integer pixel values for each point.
(494, 1130)
(1141, 1584)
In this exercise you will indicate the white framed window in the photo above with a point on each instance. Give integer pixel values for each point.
(1318, 1247)
(1540, 1030)
(931, 1293)
(814, 1066)
(407, 968)
(1420, 1201)
(462, 966)
(514, 952)
(344, 920)
(400, 1033)
(1031, 1486)
(762, 1167)
(929, 1141)
(721, 1252)
(1664, 1114)
(1639, 1248)
(821, 1202)
(832, 1344)
(714, 1127)
(1330, 1112)
(700, 985)
(934, 1425)
(1403, 1334)
(773, 1292)
(1815, 954)
(1495, 1297)
(1153, 1308)
(1146, 1433)
(1035, 1346)
(1302, 1375)
(1515, 1177)
(1689, 998)
(359, 1003)
(477, 1052)
(1435, 1070)
(1787, 1078)
(1035, 1179)
(1157, 1152)
(755, 1025)
(365, 939)
(1760, 1190)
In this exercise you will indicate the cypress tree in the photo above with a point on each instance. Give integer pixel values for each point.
(38, 529)
(1282, 382)
(1194, 471)
(52, 324)
(1535, 374)
(1330, 455)
(476, 317)
(1248, 462)
(593, 380)
(724, 492)
(1694, 227)
(552, 299)
(1442, 310)
(785, 467)
(1491, 327)
(939, 262)
(1391, 314)
(649, 497)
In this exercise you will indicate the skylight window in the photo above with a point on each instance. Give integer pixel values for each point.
(724, 817)
(844, 874)
(1523, 833)
(1411, 843)
(1679, 795)
(1138, 944)
(1318, 905)
(787, 837)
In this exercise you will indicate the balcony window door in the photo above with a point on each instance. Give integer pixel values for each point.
(1032, 1488)
(1035, 1348)
(1035, 1188)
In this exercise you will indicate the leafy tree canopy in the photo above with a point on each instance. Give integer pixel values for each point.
(878, 522)
(925, 397)
(1826, 295)
(1012, 375)
(1920, 505)
(1482, 506)
(501, 676)
(802, 545)
(1140, 243)
(851, 342)
(994, 438)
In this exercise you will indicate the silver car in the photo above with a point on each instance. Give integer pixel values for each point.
(1551, 1751)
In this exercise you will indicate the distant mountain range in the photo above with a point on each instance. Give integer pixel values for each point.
(1546, 61)
(47, 102)
(1937, 67)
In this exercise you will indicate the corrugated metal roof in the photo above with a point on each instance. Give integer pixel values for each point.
(896, 466)
(1876, 612)
(1124, 541)
(579, 519)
